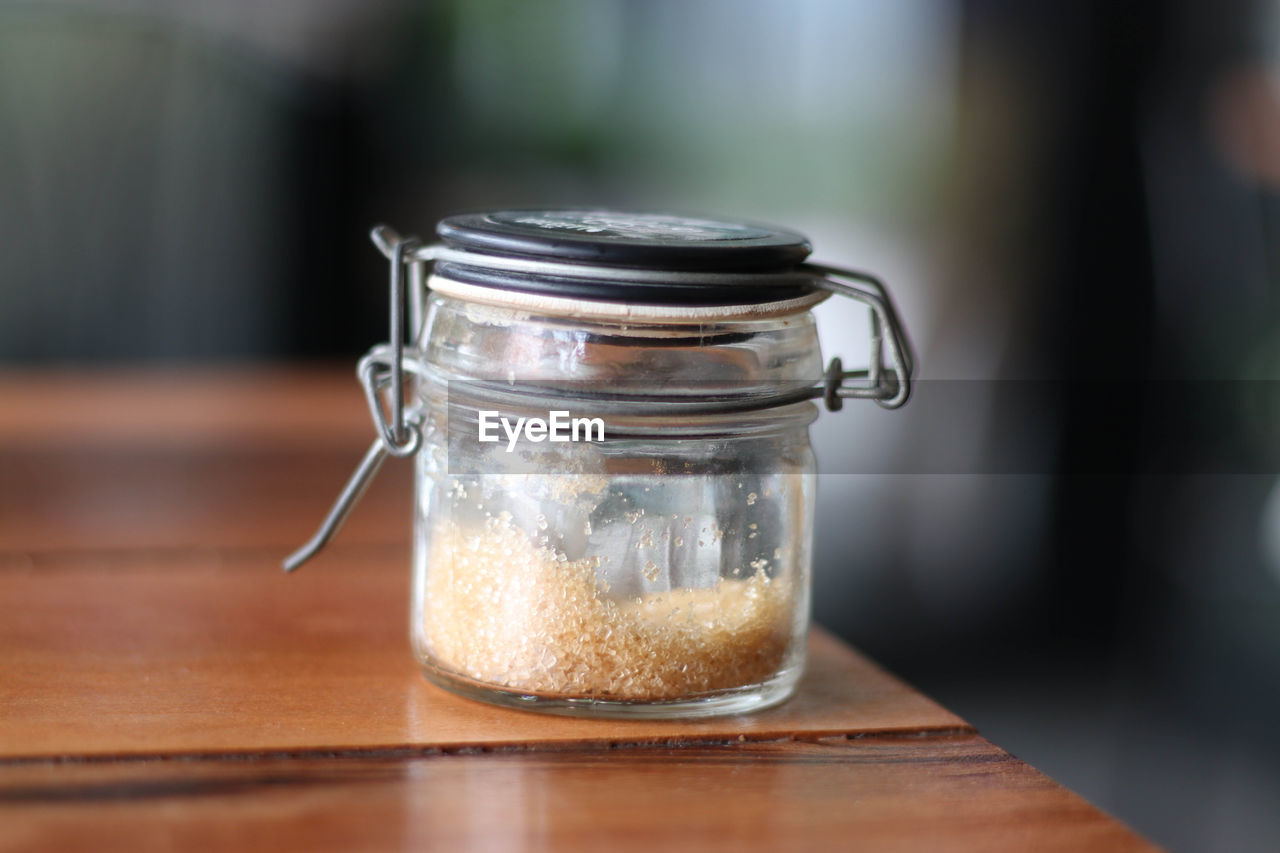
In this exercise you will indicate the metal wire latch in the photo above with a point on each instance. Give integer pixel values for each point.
(888, 390)
(381, 374)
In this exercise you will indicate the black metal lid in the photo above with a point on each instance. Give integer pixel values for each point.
(651, 242)
(629, 239)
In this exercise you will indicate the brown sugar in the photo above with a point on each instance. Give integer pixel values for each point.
(502, 610)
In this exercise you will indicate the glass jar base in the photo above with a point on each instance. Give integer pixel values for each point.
(735, 700)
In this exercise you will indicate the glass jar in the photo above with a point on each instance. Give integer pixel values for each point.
(614, 483)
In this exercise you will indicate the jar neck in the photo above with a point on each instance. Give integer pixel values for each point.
(620, 367)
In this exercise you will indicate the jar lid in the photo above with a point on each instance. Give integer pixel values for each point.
(559, 246)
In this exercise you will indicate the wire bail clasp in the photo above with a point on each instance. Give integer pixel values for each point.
(382, 369)
(888, 384)
(383, 366)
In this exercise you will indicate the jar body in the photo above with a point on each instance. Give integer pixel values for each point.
(662, 571)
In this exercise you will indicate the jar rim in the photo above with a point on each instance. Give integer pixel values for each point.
(444, 284)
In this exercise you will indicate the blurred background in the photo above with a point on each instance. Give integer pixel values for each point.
(1071, 536)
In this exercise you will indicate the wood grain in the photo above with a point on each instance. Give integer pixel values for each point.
(182, 409)
(956, 793)
(241, 496)
(118, 655)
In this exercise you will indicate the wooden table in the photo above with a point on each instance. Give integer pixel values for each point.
(162, 684)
